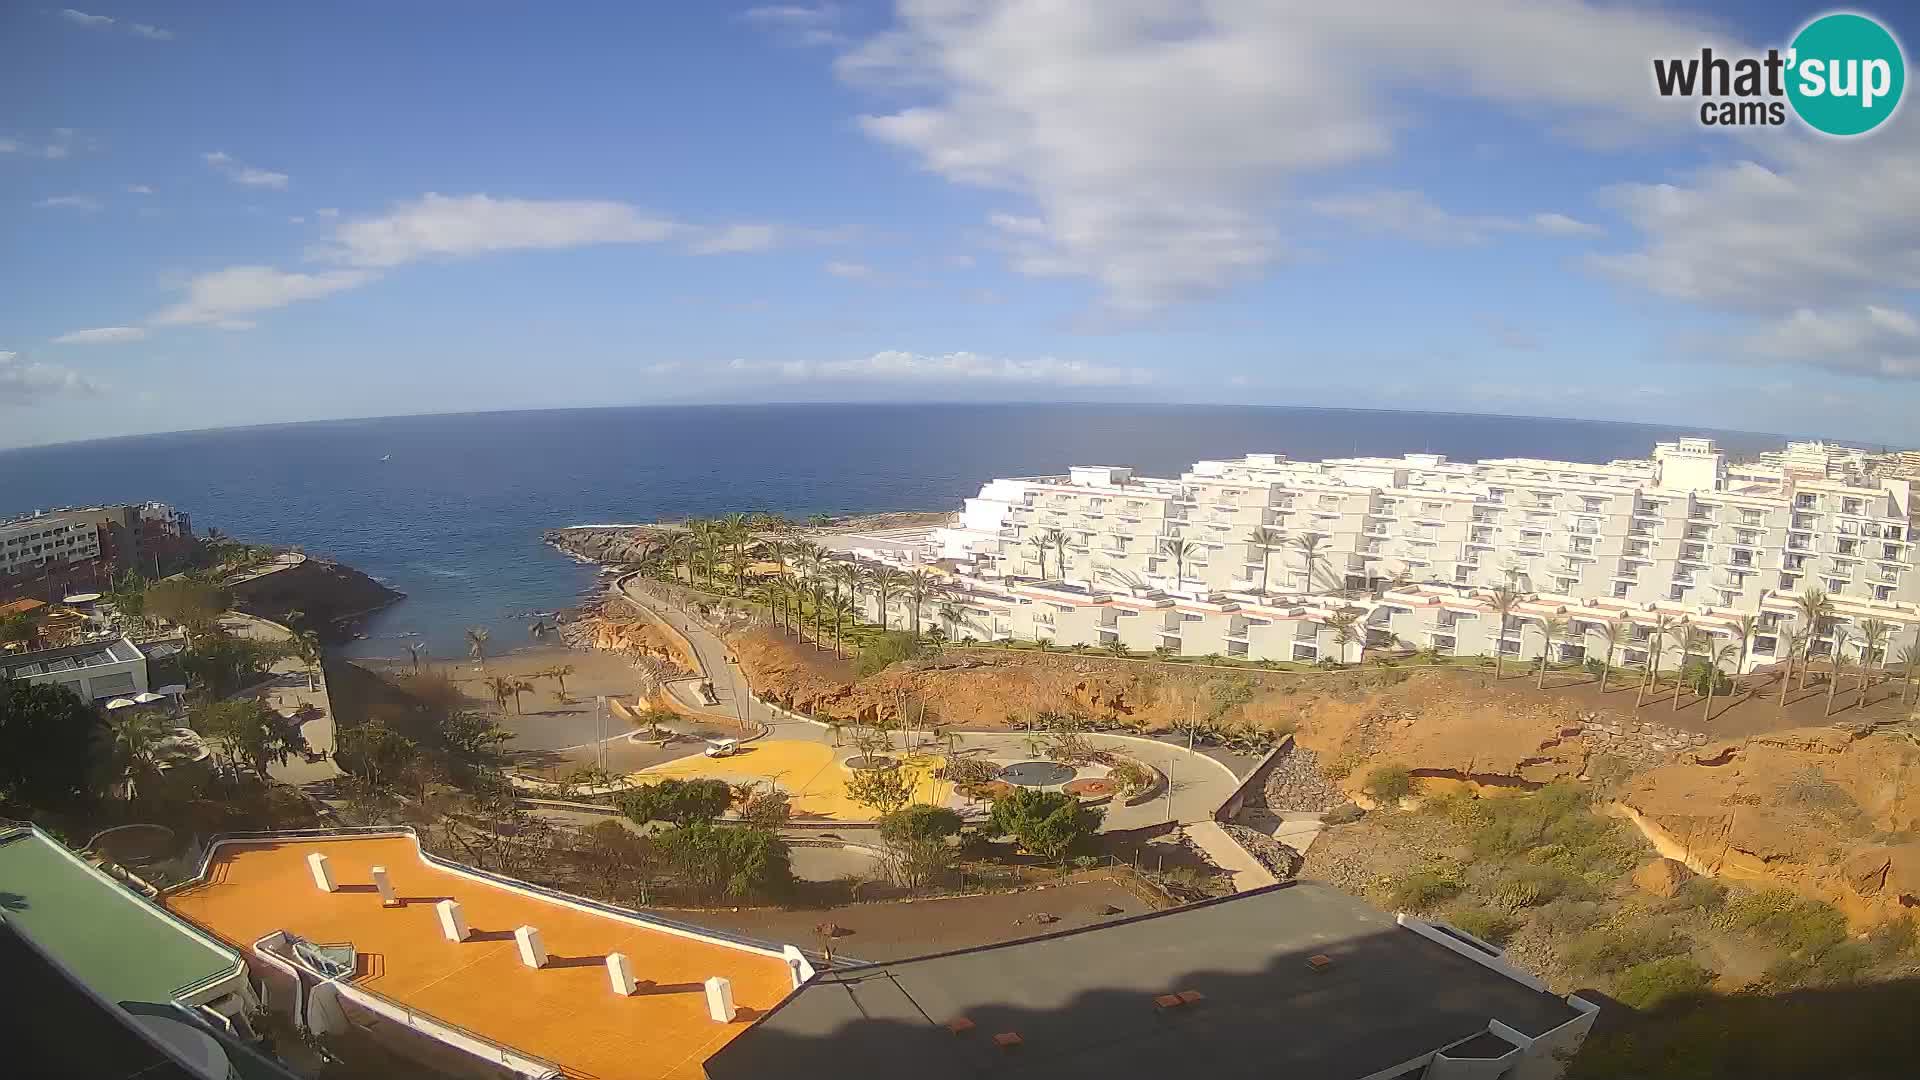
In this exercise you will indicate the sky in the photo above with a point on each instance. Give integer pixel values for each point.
(223, 214)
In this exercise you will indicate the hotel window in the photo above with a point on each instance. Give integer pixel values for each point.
(1619, 590)
(1678, 592)
(1789, 582)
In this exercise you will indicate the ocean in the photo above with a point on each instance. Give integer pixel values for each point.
(449, 509)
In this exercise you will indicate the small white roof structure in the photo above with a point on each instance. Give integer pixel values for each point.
(173, 689)
(81, 598)
(122, 703)
(147, 697)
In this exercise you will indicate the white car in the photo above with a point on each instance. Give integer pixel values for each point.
(722, 747)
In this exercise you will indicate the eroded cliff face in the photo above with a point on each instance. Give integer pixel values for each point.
(1828, 812)
(638, 637)
(330, 595)
(610, 544)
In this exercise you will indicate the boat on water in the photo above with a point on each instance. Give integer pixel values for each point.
(386, 457)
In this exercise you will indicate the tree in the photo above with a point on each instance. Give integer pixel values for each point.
(306, 645)
(1909, 661)
(883, 790)
(1814, 609)
(52, 746)
(251, 733)
(376, 752)
(883, 651)
(917, 844)
(1691, 638)
(1873, 652)
(734, 861)
(1504, 600)
(886, 582)
(1799, 641)
(1746, 626)
(1179, 551)
(1344, 625)
(1663, 627)
(501, 687)
(1308, 544)
(558, 673)
(1609, 634)
(1840, 638)
(520, 686)
(1716, 658)
(918, 586)
(1265, 540)
(193, 604)
(1058, 538)
(18, 627)
(621, 861)
(477, 643)
(415, 648)
(682, 802)
(1554, 629)
(1048, 823)
(1040, 545)
(767, 808)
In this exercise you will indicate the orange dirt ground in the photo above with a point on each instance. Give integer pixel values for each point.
(565, 1012)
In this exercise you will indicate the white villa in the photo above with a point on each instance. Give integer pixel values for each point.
(1413, 546)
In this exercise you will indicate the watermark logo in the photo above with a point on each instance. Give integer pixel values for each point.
(1842, 75)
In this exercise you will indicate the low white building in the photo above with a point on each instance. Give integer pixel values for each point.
(96, 671)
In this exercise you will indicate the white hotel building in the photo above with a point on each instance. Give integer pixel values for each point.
(1413, 545)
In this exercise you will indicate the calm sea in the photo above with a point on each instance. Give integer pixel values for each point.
(453, 516)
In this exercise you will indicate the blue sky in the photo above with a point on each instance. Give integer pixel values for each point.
(230, 214)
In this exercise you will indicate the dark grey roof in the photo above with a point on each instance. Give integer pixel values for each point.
(1083, 1001)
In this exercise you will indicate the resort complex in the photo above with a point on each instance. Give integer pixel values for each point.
(1265, 558)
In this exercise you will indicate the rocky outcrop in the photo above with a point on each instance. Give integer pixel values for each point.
(1828, 812)
(626, 544)
(330, 594)
(1662, 877)
(637, 637)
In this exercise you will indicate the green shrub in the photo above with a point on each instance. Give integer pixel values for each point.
(1390, 783)
(1605, 950)
(682, 802)
(1048, 823)
(1555, 820)
(722, 860)
(883, 651)
(1892, 939)
(1532, 886)
(1796, 924)
(920, 822)
(1646, 985)
(1423, 890)
(1493, 927)
(1129, 777)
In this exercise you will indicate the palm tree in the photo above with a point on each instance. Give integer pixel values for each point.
(1798, 641)
(1265, 540)
(1748, 626)
(1039, 543)
(1180, 551)
(1815, 608)
(520, 686)
(1909, 661)
(1555, 629)
(1663, 627)
(1873, 648)
(1715, 658)
(306, 645)
(1610, 631)
(951, 614)
(416, 648)
(1840, 638)
(1690, 637)
(842, 609)
(1308, 544)
(477, 643)
(558, 673)
(739, 533)
(919, 586)
(680, 548)
(886, 582)
(500, 687)
(1058, 538)
(1504, 598)
(818, 593)
(845, 575)
(134, 733)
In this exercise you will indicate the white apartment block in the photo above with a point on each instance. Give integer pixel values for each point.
(29, 543)
(1412, 546)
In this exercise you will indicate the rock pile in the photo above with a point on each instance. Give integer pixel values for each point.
(1279, 859)
(1641, 742)
(1295, 783)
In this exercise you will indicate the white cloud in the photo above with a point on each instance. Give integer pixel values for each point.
(797, 24)
(1155, 139)
(736, 238)
(226, 165)
(27, 382)
(327, 212)
(1411, 213)
(105, 335)
(959, 262)
(218, 298)
(894, 366)
(91, 22)
(852, 271)
(296, 220)
(1865, 340)
(139, 189)
(108, 22)
(60, 146)
(69, 202)
(455, 226)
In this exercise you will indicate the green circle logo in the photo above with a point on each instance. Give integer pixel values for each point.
(1846, 74)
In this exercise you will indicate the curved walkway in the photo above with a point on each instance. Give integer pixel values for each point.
(1198, 783)
(289, 690)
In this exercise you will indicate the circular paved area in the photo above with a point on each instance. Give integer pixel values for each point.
(1037, 773)
(809, 772)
